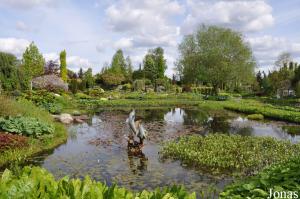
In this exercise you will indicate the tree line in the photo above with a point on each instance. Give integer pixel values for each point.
(285, 76)
(212, 56)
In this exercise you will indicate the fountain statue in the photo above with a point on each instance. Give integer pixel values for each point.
(137, 130)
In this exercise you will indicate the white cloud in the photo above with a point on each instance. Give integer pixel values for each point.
(13, 45)
(123, 43)
(142, 20)
(27, 4)
(146, 24)
(241, 15)
(51, 56)
(75, 63)
(267, 48)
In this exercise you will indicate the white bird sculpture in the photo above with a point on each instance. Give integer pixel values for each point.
(131, 122)
(142, 133)
(136, 127)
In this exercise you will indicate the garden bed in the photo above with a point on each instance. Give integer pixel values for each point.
(19, 113)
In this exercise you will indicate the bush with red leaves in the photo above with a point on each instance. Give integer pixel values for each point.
(9, 141)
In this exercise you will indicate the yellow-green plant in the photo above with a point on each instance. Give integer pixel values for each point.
(37, 182)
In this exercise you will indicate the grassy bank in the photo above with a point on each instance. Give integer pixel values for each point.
(267, 110)
(229, 154)
(10, 107)
(138, 103)
(38, 183)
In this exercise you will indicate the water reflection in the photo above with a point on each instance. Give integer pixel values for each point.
(137, 162)
(231, 123)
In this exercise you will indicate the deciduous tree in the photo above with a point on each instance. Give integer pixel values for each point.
(32, 62)
(215, 55)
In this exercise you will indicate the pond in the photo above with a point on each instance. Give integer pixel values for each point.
(99, 148)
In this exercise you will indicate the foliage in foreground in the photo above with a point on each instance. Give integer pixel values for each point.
(229, 154)
(27, 126)
(279, 177)
(36, 182)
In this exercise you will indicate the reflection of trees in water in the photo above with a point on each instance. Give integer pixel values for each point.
(194, 117)
(138, 162)
(245, 131)
(152, 114)
(219, 124)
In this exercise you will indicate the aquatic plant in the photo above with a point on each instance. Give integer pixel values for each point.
(278, 177)
(37, 182)
(229, 154)
(255, 117)
(266, 111)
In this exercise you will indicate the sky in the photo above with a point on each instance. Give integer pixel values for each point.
(92, 30)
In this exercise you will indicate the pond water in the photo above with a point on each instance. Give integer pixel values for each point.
(99, 148)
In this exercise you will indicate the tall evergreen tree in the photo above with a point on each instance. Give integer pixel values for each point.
(259, 79)
(88, 78)
(63, 65)
(129, 69)
(80, 73)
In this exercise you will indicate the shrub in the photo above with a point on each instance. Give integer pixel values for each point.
(16, 93)
(139, 85)
(37, 182)
(111, 79)
(50, 83)
(10, 141)
(229, 154)
(25, 126)
(96, 92)
(127, 87)
(255, 117)
(82, 96)
(46, 100)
